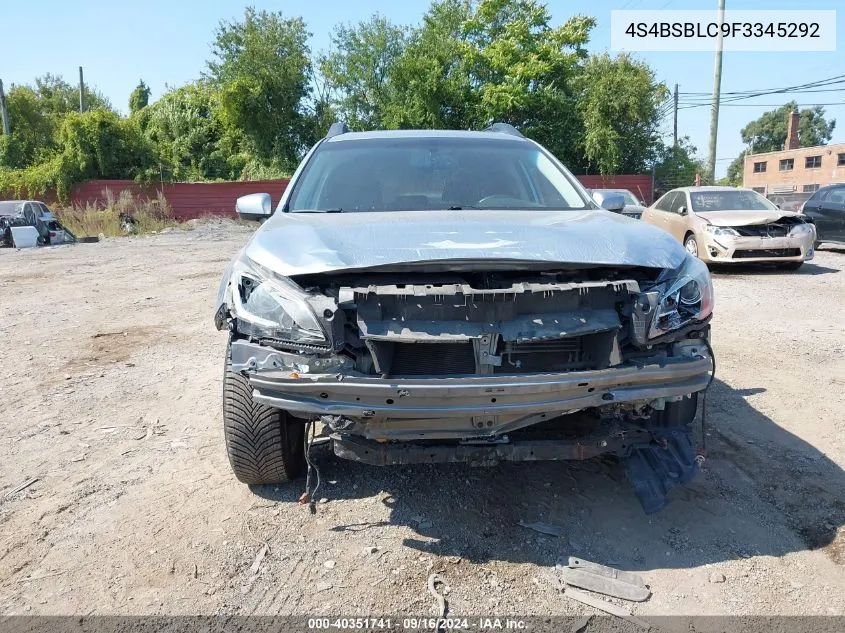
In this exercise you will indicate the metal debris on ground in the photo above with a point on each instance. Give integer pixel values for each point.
(23, 486)
(544, 528)
(604, 605)
(602, 579)
(441, 601)
(256, 564)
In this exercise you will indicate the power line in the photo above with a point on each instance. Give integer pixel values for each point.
(760, 105)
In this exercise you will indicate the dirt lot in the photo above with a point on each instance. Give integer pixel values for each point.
(111, 397)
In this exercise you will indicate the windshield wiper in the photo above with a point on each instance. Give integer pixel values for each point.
(461, 207)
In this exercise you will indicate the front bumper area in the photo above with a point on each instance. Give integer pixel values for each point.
(477, 406)
(750, 250)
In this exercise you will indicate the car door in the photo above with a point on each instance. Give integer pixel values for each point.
(658, 215)
(678, 216)
(832, 213)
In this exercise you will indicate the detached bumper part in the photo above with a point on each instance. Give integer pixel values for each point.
(654, 468)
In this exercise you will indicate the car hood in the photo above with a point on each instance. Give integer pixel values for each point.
(744, 217)
(307, 243)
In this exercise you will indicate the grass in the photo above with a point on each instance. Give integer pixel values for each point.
(93, 219)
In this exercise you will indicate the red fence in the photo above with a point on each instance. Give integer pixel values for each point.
(194, 199)
(187, 199)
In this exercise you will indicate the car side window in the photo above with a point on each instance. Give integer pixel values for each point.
(836, 196)
(665, 203)
(679, 201)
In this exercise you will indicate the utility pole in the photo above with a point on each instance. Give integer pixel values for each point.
(81, 92)
(717, 88)
(675, 116)
(4, 112)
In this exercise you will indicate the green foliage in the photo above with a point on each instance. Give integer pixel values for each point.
(734, 175)
(186, 128)
(94, 144)
(262, 67)
(768, 133)
(431, 84)
(361, 69)
(619, 104)
(139, 98)
(676, 166)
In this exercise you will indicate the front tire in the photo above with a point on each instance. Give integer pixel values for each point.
(691, 245)
(264, 445)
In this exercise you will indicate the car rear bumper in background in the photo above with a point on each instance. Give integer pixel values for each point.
(748, 250)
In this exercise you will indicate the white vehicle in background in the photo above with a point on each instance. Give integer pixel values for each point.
(633, 207)
(31, 223)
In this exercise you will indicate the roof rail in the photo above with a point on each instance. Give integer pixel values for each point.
(337, 128)
(504, 128)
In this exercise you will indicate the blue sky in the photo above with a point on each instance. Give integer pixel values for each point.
(167, 42)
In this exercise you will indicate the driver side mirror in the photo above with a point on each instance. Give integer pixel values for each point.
(682, 210)
(610, 201)
(255, 207)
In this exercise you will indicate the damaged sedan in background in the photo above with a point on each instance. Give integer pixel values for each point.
(728, 225)
(438, 296)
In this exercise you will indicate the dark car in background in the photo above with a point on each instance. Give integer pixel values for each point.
(826, 209)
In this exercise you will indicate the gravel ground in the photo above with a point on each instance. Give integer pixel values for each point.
(111, 398)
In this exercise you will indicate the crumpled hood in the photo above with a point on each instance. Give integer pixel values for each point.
(744, 217)
(307, 243)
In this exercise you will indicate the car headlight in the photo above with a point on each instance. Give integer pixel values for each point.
(800, 229)
(269, 306)
(686, 295)
(719, 231)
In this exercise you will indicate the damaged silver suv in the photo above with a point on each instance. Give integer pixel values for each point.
(451, 296)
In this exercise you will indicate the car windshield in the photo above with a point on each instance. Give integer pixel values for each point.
(426, 173)
(10, 207)
(734, 200)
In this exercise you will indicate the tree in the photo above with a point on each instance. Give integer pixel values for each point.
(32, 129)
(192, 143)
(262, 68)
(430, 80)
(676, 166)
(58, 97)
(619, 106)
(139, 98)
(361, 67)
(768, 133)
(734, 175)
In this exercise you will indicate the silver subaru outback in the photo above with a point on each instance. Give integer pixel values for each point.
(457, 296)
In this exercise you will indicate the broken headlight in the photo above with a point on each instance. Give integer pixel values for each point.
(270, 306)
(800, 229)
(721, 231)
(686, 295)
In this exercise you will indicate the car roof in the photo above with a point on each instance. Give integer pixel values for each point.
(21, 201)
(711, 188)
(397, 134)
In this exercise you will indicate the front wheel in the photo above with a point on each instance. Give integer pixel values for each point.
(264, 445)
(691, 245)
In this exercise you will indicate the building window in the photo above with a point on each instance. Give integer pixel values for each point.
(810, 188)
(760, 190)
(812, 162)
(786, 164)
(759, 168)
(841, 161)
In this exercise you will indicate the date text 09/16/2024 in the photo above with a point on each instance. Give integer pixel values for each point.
(416, 624)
